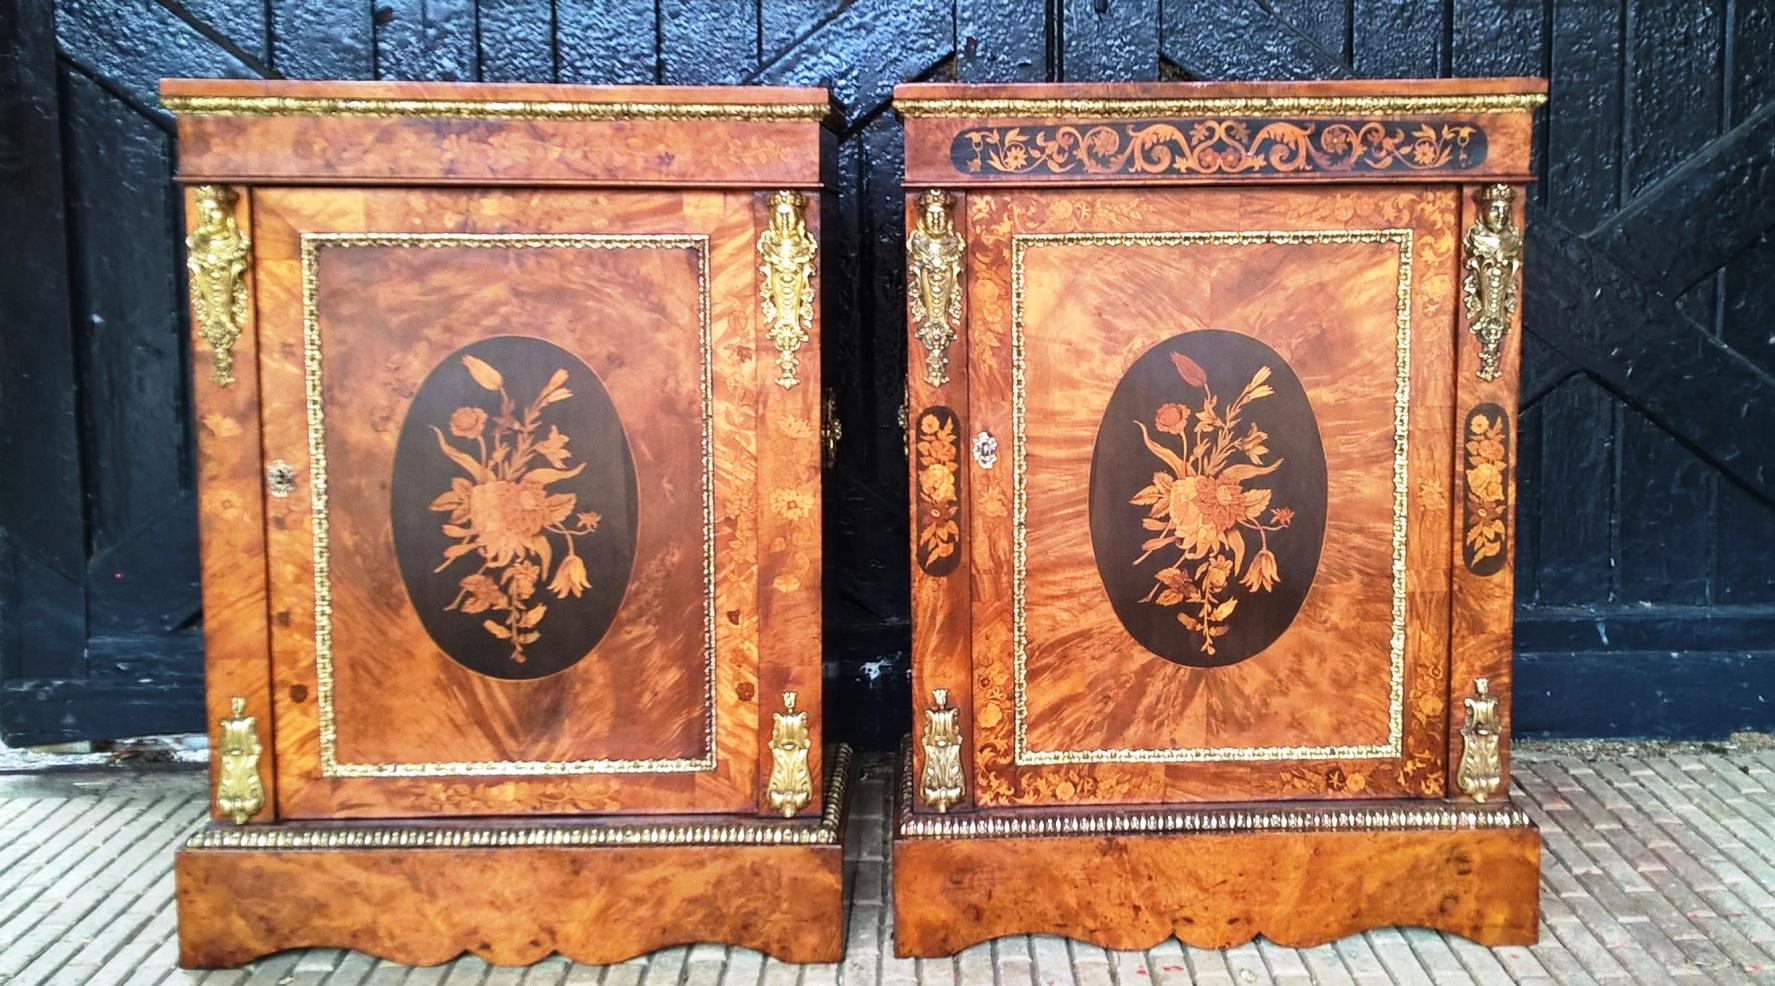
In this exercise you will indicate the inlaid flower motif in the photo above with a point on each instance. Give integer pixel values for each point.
(503, 514)
(467, 422)
(792, 504)
(1171, 418)
(937, 453)
(1203, 508)
(1486, 504)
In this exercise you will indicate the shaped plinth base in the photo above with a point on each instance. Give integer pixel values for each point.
(1213, 876)
(514, 893)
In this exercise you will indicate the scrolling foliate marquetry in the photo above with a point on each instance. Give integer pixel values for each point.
(217, 254)
(933, 269)
(786, 292)
(1215, 146)
(1492, 269)
(239, 793)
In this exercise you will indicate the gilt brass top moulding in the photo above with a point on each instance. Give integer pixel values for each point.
(1180, 133)
(266, 132)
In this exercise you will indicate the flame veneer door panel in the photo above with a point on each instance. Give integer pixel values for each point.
(1210, 563)
(495, 591)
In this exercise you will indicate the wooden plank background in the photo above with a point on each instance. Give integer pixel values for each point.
(1646, 597)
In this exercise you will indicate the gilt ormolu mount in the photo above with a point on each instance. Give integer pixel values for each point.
(509, 470)
(1218, 635)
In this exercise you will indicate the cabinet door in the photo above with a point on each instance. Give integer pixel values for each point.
(514, 570)
(1211, 561)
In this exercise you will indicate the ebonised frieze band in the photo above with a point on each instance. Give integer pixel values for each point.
(1220, 146)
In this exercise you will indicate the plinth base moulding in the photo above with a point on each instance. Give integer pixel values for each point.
(515, 893)
(1211, 876)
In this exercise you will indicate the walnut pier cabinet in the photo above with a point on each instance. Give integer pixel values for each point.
(1211, 401)
(509, 416)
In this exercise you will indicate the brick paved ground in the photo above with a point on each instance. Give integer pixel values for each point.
(1660, 868)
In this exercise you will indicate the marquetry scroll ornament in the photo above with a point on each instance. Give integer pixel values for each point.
(1220, 146)
(1480, 772)
(937, 463)
(786, 292)
(941, 784)
(216, 253)
(791, 781)
(985, 450)
(933, 268)
(239, 794)
(280, 478)
(1493, 265)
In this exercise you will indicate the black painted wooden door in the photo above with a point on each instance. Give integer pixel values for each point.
(1646, 599)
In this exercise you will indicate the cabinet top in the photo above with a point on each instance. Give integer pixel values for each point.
(1194, 132)
(492, 101)
(297, 132)
(1372, 97)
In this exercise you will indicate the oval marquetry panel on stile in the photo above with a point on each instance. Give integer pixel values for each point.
(514, 507)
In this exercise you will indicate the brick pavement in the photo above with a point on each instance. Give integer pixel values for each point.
(1659, 868)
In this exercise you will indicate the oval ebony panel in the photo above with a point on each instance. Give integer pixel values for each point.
(1207, 498)
(514, 507)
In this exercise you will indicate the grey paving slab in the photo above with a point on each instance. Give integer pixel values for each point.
(1659, 869)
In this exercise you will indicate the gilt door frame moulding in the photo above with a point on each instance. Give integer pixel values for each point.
(313, 367)
(1021, 243)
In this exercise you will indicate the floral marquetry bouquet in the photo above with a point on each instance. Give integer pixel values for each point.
(1205, 512)
(503, 514)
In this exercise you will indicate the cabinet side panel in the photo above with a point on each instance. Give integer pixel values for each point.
(938, 435)
(1435, 303)
(231, 522)
(789, 510)
(988, 494)
(1484, 528)
(733, 305)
